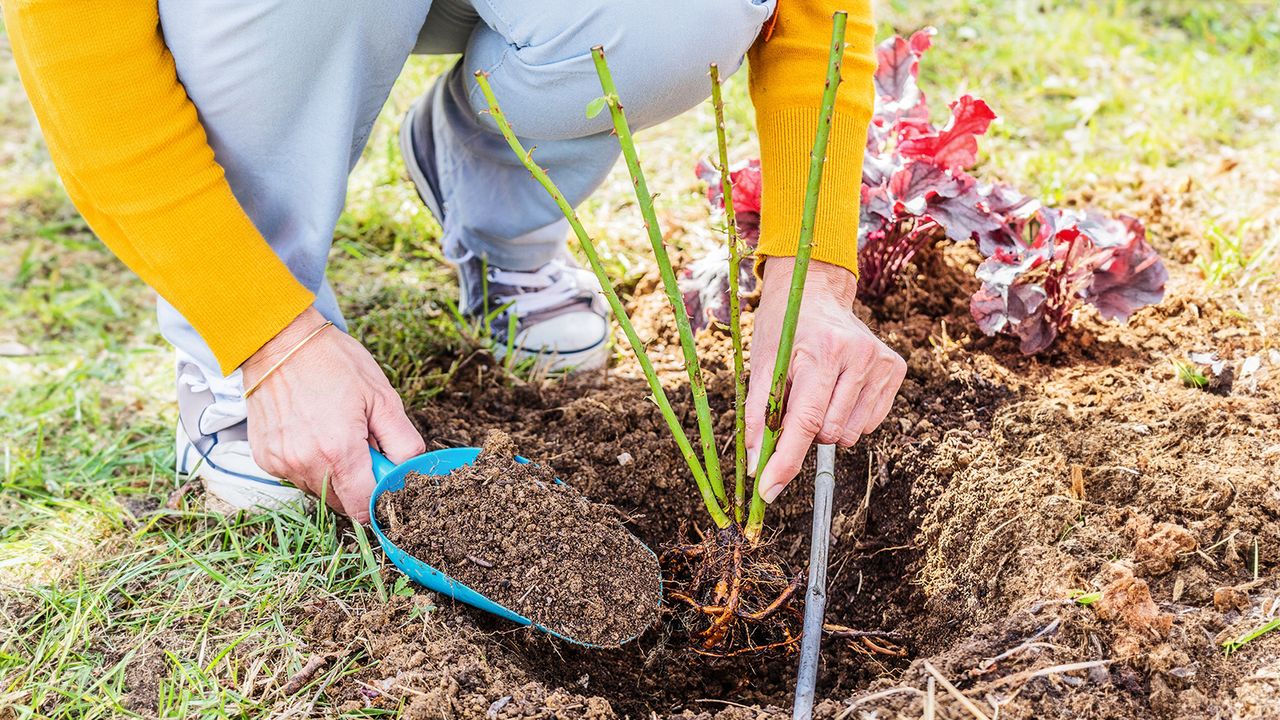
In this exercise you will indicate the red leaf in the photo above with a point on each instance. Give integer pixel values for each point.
(704, 285)
(922, 39)
(746, 186)
(989, 310)
(917, 179)
(1040, 263)
(1132, 276)
(962, 216)
(897, 66)
(876, 204)
(708, 173)
(898, 63)
(956, 146)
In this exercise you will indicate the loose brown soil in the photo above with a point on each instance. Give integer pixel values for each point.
(512, 533)
(1000, 488)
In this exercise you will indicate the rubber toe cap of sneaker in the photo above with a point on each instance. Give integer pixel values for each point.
(565, 333)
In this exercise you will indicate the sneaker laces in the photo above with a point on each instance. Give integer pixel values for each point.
(452, 256)
(228, 407)
(551, 285)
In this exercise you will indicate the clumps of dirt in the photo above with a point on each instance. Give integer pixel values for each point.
(1138, 623)
(431, 664)
(142, 678)
(511, 532)
(1158, 546)
(1227, 599)
(1258, 696)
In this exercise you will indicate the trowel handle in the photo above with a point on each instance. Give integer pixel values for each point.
(382, 467)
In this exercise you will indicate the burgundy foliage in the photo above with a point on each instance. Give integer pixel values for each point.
(704, 283)
(915, 188)
(917, 191)
(1032, 283)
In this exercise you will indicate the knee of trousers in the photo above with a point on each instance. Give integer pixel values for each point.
(659, 53)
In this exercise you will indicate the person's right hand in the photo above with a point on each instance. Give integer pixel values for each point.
(312, 420)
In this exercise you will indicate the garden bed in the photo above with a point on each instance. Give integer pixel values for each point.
(1001, 487)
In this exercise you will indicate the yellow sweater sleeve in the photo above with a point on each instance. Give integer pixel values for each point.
(788, 69)
(136, 162)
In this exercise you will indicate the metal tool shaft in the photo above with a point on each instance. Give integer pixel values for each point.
(815, 602)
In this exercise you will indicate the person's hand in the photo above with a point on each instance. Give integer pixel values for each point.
(313, 419)
(842, 378)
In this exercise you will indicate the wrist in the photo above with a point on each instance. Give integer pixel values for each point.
(288, 337)
(823, 279)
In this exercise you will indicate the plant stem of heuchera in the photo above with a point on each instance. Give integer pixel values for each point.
(697, 387)
(735, 307)
(782, 365)
(619, 312)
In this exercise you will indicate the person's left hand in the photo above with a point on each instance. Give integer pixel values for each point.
(842, 379)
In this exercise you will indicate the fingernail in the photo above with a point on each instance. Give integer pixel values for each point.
(771, 493)
(753, 457)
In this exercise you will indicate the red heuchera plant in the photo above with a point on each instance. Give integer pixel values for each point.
(916, 192)
(1032, 283)
(704, 283)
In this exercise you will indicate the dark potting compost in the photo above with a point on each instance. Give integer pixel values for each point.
(511, 532)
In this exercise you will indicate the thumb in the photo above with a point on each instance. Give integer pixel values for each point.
(392, 430)
(764, 350)
(757, 399)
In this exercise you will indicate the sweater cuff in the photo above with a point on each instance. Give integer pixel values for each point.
(260, 313)
(786, 141)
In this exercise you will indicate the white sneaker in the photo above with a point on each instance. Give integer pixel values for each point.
(560, 317)
(212, 441)
(562, 320)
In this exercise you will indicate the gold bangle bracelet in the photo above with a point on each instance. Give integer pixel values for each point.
(287, 355)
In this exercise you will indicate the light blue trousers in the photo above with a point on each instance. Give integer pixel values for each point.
(288, 91)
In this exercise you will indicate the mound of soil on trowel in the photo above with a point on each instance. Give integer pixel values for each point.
(512, 533)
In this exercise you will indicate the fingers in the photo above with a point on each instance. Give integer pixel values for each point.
(872, 403)
(835, 426)
(339, 471)
(353, 483)
(396, 436)
(807, 404)
(307, 465)
(314, 431)
(324, 490)
(859, 421)
(757, 402)
(876, 400)
(881, 411)
(897, 373)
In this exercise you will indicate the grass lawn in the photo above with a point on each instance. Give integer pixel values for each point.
(1100, 101)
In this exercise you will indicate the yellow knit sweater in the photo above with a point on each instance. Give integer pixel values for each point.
(136, 162)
